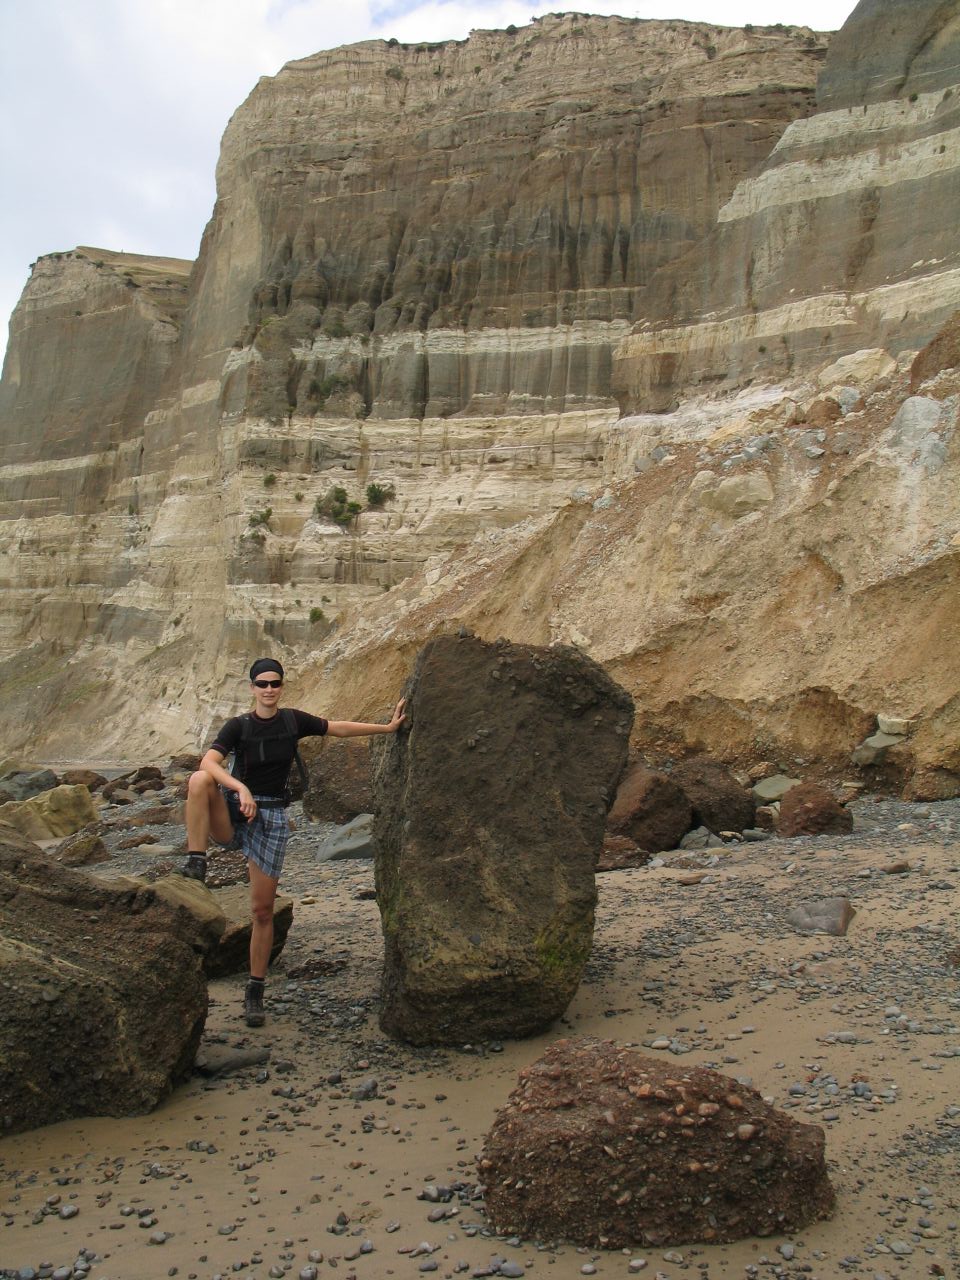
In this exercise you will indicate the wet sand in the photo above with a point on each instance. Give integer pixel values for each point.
(274, 1165)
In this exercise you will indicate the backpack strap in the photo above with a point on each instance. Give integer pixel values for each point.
(290, 720)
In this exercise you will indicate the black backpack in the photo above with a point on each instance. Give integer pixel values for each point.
(287, 725)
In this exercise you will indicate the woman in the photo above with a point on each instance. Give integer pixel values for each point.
(248, 805)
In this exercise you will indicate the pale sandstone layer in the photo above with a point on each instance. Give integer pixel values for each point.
(421, 263)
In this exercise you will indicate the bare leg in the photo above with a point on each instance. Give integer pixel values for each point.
(263, 892)
(205, 812)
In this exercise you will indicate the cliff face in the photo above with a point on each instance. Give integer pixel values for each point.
(447, 272)
(420, 261)
(465, 227)
(844, 239)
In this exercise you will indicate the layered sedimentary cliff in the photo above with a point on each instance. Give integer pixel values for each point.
(469, 275)
(844, 239)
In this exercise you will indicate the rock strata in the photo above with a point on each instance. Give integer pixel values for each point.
(808, 261)
(606, 1147)
(490, 818)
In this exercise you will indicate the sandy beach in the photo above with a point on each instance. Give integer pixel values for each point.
(274, 1168)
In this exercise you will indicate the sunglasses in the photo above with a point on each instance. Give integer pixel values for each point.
(268, 684)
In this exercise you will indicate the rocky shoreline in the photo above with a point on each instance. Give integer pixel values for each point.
(318, 1143)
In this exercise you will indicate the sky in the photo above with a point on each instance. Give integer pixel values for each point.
(111, 111)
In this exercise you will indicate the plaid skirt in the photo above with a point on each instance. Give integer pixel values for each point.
(264, 840)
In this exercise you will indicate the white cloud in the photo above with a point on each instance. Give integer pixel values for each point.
(111, 111)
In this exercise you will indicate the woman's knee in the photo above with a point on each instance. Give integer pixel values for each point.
(262, 912)
(200, 784)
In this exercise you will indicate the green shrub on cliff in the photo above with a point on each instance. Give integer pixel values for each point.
(378, 494)
(336, 506)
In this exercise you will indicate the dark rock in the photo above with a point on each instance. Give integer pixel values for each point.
(154, 815)
(650, 809)
(942, 353)
(83, 850)
(223, 920)
(146, 773)
(619, 852)
(135, 842)
(83, 778)
(104, 997)
(118, 791)
(28, 782)
(147, 784)
(491, 806)
(669, 1156)
(810, 810)
(823, 411)
(719, 802)
(340, 785)
(186, 761)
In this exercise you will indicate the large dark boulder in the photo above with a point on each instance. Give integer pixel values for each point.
(650, 809)
(719, 802)
(603, 1146)
(490, 807)
(104, 996)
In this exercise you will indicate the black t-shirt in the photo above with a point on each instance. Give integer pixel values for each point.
(266, 756)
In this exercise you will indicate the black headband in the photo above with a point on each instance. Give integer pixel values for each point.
(265, 664)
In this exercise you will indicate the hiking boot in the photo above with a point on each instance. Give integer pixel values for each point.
(253, 1005)
(195, 867)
